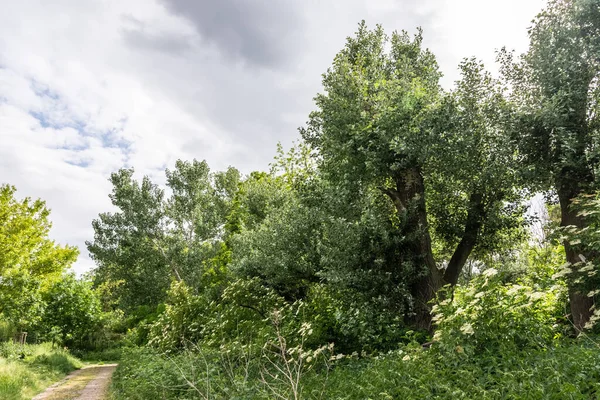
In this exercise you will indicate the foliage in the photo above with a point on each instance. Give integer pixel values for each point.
(585, 273)
(556, 97)
(555, 92)
(28, 258)
(152, 240)
(383, 127)
(239, 316)
(127, 244)
(71, 311)
(489, 317)
(570, 370)
(282, 250)
(317, 278)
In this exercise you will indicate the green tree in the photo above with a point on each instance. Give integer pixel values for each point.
(71, 310)
(384, 124)
(282, 249)
(152, 239)
(28, 257)
(128, 245)
(197, 210)
(556, 95)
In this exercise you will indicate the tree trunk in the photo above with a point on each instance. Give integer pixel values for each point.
(580, 303)
(475, 216)
(409, 199)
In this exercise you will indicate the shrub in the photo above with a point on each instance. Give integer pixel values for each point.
(489, 316)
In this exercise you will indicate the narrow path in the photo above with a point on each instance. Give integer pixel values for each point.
(88, 383)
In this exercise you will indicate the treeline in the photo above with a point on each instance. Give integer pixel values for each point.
(396, 185)
(397, 222)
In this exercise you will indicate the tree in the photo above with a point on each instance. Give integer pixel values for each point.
(556, 94)
(152, 240)
(128, 244)
(71, 310)
(282, 250)
(384, 124)
(28, 257)
(197, 210)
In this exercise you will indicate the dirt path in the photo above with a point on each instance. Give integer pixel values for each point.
(88, 383)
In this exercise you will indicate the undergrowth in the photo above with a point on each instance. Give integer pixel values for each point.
(27, 370)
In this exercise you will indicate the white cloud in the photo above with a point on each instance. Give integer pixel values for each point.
(87, 87)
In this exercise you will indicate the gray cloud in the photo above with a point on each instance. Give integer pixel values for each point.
(256, 32)
(164, 43)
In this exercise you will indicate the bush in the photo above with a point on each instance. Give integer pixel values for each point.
(106, 355)
(571, 371)
(146, 374)
(354, 323)
(491, 317)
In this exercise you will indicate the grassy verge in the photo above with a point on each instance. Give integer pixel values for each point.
(26, 371)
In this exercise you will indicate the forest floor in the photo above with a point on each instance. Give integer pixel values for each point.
(88, 383)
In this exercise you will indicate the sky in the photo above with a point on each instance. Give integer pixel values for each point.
(88, 87)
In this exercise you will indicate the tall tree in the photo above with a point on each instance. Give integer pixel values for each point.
(200, 202)
(28, 257)
(557, 94)
(152, 240)
(383, 122)
(128, 245)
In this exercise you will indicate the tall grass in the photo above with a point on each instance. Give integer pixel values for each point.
(27, 370)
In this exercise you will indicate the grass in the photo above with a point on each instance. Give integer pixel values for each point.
(27, 370)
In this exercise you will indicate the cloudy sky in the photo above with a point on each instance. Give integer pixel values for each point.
(87, 87)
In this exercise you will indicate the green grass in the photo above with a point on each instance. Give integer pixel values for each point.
(27, 370)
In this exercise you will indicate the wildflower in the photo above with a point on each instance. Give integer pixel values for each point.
(467, 329)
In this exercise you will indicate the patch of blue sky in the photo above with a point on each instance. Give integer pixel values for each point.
(111, 138)
(79, 163)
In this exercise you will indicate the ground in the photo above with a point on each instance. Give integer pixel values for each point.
(88, 383)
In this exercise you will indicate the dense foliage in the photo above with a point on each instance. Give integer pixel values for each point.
(28, 258)
(388, 254)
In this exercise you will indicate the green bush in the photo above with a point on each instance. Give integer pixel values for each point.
(113, 354)
(489, 316)
(145, 374)
(570, 370)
